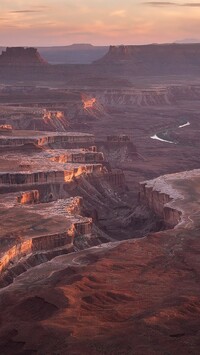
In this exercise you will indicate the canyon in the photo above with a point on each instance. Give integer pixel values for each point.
(46, 179)
(99, 238)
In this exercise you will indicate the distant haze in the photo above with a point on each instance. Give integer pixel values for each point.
(73, 54)
(100, 22)
(188, 40)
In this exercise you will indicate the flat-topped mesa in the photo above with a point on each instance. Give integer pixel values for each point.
(21, 56)
(118, 53)
(157, 57)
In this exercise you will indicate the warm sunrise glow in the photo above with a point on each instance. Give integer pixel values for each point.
(62, 22)
(89, 103)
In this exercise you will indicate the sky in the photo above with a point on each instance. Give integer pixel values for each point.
(99, 22)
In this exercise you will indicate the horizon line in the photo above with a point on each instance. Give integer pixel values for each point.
(101, 45)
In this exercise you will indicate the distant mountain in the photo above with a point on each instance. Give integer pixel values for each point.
(188, 40)
(78, 46)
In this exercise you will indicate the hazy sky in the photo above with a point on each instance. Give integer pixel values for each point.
(62, 22)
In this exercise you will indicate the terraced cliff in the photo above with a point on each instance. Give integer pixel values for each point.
(55, 198)
(139, 296)
(40, 108)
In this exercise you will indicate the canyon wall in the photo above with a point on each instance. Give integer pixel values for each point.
(50, 197)
(154, 96)
(160, 200)
(44, 177)
(44, 243)
(116, 178)
(62, 140)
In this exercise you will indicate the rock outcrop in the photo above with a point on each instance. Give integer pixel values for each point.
(169, 197)
(155, 57)
(151, 52)
(15, 56)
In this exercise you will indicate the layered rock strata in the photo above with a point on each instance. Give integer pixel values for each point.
(59, 139)
(139, 296)
(148, 56)
(170, 196)
(40, 213)
(27, 228)
(28, 224)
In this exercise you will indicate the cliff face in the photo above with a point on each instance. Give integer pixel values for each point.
(55, 139)
(49, 197)
(41, 177)
(156, 57)
(153, 51)
(117, 151)
(159, 202)
(174, 197)
(137, 97)
(21, 56)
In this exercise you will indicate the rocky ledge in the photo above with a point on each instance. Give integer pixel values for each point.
(49, 195)
(175, 198)
(140, 296)
(29, 227)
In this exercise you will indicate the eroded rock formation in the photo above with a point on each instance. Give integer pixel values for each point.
(42, 188)
(147, 286)
(21, 56)
(170, 197)
(139, 296)
(160, 58)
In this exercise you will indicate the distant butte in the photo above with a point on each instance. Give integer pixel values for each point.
(147, 52)
(155, 58)
(21, 56)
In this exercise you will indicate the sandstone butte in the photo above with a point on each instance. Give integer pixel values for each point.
(151, 52)
(21, 56)
(140, 296)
